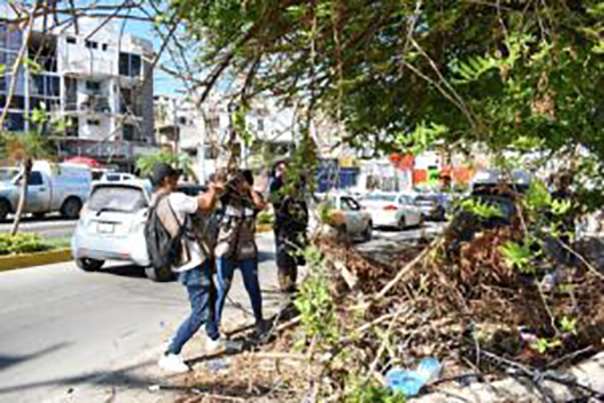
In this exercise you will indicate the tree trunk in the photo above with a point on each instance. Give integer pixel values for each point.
(22, 195)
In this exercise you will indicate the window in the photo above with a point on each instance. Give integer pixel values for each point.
(117, 198)
(15, 122)
(72, 40)
(93, 85)
(182, 120)
(71, 126)
(349, 204)
(260, 125)
(104, 47)
(35, 179)
(129, 132)
(92, 44)
(129, 64)
(93, 122)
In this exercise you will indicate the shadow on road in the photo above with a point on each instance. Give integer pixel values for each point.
(112, 379)
(10, 360)
(125, 271)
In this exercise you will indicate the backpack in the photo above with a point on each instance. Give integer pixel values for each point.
(163, 249)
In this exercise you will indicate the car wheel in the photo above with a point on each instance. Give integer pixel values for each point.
(71, 208)
(4, 209)
(368, 233)
(87, 264)
(343, 232)
(402, 223)
(159, 275)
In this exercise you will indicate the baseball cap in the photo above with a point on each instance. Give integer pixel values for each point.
(162, 170)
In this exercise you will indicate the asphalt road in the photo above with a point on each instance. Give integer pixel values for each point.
(71, 336)
(51, 226)
(64, 331)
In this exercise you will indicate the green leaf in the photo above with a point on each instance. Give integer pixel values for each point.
(517, 256)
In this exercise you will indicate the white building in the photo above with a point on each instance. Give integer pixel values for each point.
(98, 80)
(182, 126)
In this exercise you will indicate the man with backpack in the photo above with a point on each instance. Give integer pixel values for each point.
(172, 241)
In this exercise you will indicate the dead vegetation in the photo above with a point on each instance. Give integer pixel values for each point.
(475, 314)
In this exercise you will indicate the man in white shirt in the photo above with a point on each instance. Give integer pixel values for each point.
(194, 269)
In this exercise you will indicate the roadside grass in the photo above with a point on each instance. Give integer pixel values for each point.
(20, 244)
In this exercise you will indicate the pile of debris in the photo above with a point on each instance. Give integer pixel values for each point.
(468, 309)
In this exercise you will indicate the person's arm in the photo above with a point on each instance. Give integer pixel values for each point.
(207, 200)
(258, 200)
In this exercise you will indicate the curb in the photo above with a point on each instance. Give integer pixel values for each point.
(34, 259)
(264, 228)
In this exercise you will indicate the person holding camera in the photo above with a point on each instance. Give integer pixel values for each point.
(236, 242)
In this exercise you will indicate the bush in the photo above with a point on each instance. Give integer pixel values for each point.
(21, 243)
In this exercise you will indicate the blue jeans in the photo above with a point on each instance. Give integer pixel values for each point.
(201, 291)
(249, 270)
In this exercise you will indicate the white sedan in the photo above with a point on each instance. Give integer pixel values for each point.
(392, 210)
(342, 213)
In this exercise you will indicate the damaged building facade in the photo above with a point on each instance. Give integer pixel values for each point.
(98, 80)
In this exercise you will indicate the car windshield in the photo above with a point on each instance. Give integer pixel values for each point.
(117, 198)
(380, 197)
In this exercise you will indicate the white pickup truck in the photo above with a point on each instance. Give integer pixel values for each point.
(52, 187)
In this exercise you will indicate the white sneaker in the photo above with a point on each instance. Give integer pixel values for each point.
(173, 363)
(213, 346)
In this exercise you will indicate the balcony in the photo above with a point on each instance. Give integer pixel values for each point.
(89, 67)
(108, 151)
(90, 104)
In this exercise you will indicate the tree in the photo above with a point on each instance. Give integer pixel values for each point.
(145, 162)
(406, 74)
(24, 148)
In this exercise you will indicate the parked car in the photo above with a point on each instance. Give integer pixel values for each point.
(111, 227)
(392, 210)
(51, 187)
(432, 206)
(342, 213)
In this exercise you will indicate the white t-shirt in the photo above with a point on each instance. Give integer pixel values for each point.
(183, 205)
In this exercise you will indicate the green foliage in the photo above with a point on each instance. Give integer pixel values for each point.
(21, 243)
(480, 208)
(537, 197)
(358, 391)
(145, 162)
(518, 256)
(506, 76)
(544, 344)
(314, 302)
(568, 325)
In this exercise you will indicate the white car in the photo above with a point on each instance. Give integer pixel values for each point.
(342, 213)
(392, 210)
(111, 227)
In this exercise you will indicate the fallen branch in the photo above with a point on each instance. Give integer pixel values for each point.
(407, 268)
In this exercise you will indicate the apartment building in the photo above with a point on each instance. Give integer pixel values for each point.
(99, 81)
(183, 127)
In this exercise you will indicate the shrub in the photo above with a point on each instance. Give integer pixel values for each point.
(21, 243)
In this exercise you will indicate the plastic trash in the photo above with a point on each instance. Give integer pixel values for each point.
(408, 382)
(429, 370)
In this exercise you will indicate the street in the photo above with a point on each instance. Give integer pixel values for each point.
(51, 226)
(68, 334)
